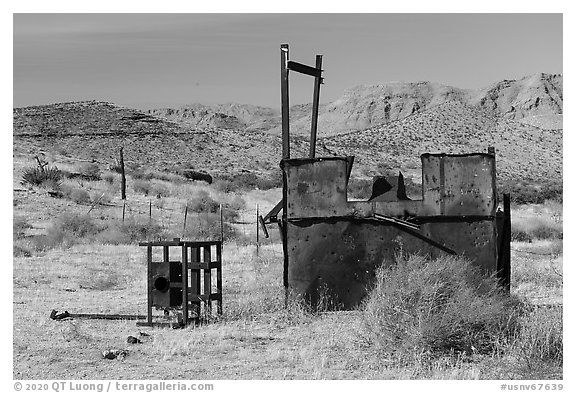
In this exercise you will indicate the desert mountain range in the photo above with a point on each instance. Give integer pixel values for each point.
(384, 126)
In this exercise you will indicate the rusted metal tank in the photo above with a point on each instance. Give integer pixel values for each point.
(333, 246)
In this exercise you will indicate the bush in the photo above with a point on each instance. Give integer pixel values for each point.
(422, 308)
(19, 227)
(142, 186)
(206, 226)
(524, 192)
(89, 171)
(202, 202)
(67, 230)
(539, 338)
(38, 176)
(131, 231)
(533, 228)
(78, 195)
(108, 177)
(100, 198)
(246, 181)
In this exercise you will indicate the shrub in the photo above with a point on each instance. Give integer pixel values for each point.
(202, 202)
(78, 195)
(246, 181)
(100, 198)
(536, 227)
(108, 177)
(37, 176)
(20, 249)
(525, 192)
(66, 230)
(89, 171)
(539, 338)
(140, 174)
(19, 227)
(206, 226)
(131, 231)
(422, 308)
(77, 225)
(142, 186)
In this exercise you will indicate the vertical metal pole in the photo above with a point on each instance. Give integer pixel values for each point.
(285, 101)
(315, 104)
(123, 209)
(506, 242)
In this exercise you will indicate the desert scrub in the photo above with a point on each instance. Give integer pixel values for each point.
(131, 231)
(68, 229)
(206, 227)
(533, 222)
(40, 176)
(76, 194)
(423, 309)
(245, 182)
(149, 188)
(202, 202)
(19, 227)
(539, 338)
(89, 171)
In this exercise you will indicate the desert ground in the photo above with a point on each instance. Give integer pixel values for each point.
(74, 252)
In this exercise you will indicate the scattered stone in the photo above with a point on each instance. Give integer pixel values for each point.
(133, 340)
(55, 316)
(111, 354)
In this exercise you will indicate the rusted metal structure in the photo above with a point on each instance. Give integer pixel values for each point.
(333, 246)
(181, 278)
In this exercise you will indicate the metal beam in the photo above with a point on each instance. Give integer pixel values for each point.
(304, 69)
(315, 104)
(285, 101)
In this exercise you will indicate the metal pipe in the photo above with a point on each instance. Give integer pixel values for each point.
(285, 101)
(315, 104)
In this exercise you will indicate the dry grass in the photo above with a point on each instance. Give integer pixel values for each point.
(256, 338)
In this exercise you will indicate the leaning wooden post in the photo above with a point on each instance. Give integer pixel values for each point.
(123, 173)
(185, 217)
(221, 225)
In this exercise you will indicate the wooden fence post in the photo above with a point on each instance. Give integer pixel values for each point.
(123, 173)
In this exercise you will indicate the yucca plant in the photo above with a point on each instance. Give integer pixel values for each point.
(38, 176)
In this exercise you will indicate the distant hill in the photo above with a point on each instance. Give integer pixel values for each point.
(524, 152)
(396, 123)
(95, 131)
(528, 99)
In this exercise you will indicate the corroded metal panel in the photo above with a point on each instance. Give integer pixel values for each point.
(338, 257)
(475, 240)
(316, 187)
(459, 184)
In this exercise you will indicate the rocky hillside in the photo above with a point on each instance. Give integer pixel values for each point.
(535, 100)
(524, 152)
(399, 121)
(96, 130)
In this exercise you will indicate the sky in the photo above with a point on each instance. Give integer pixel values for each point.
(168, 60)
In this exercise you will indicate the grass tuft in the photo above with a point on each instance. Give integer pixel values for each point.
(423, 309)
